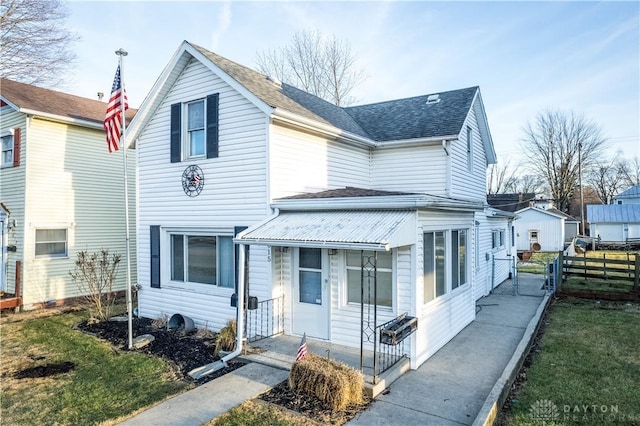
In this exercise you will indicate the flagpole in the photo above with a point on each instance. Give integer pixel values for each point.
(121, 52)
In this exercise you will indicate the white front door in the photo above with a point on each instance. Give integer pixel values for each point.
(310, 293)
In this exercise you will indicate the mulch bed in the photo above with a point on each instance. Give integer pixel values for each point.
(310, 406)
(184, 351)
(189, 351)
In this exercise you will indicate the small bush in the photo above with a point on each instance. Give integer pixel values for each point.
(94, 275)
(335, 384)
(226, 340)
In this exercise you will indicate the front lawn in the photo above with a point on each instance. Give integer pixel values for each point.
(99, 386)
(586, 368)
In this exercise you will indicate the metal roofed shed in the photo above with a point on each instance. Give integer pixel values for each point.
(358, 230)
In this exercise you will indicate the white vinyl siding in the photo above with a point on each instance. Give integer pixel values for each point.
(410, 169)
(550, 230)
(301, 163)
(78, 186)
(442, 318)
(12, 193)
(234, 194)
(468, 178)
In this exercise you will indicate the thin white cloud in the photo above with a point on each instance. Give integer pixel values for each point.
(224, 22)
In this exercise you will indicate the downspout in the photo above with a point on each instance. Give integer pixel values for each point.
(447, 147)
(199, 372)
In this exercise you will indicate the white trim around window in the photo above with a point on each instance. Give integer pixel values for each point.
(350, 267)
(186, 260)
(7, 146)
(50, 243)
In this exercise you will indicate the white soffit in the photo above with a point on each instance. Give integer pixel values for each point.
(347, 229)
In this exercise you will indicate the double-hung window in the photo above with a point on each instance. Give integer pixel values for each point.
(363, 262)
(445, 262)
(51, 243)
(458, 258)
(195, 146)
(194, 129)
(7, 150)
(203, 259)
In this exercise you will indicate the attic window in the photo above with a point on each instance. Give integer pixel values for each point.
(433, 99)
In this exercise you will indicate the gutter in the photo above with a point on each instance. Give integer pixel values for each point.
(307, 123)
(63, 119)
(388, 203)
(199, 372)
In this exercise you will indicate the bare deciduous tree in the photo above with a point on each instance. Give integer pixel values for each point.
(325, 67)
(35, 46)
(606, 178)
(630, 171)
(555, 144)
(501, 179)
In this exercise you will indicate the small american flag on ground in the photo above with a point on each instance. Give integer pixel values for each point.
(113, 119)
(302, 349)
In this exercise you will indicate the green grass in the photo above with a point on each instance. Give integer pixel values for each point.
(253, 414)
(588, 356)
(537, 263)
(103, 385)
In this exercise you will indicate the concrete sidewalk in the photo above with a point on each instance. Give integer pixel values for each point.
(464, 383)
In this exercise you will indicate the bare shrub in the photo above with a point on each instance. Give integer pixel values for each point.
(94, 275)
(160, 322)
(334, 383)
(226, 340)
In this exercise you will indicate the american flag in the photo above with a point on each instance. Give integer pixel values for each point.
(195, 180)
(113, 119)
(302, 349)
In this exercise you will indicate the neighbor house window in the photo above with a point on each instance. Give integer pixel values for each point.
(7, 150)
(204, 259)
(51, 243)
(533, 236)
(194, 129)
(458, 258)
(384, 269)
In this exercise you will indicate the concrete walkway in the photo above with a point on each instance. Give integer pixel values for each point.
(464, 383)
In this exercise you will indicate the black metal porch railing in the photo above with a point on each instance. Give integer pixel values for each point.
(391, 350)
(266, 320)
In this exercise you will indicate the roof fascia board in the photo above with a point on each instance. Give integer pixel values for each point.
(540, 211)
(235, 84)
(403, 143)
(287, 117)
(315, 244)
(10, 104)
(483, 126)
(393, 202)
(160, 88)
(62, 119)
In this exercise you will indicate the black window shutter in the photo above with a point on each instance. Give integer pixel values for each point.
(16, 147)
(154, 233)
(176, 131)
(212, 125)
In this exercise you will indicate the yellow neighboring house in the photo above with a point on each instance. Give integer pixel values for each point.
(61, 192)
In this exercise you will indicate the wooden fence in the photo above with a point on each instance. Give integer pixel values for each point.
(601, 269)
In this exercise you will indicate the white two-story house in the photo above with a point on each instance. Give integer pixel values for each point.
(352, 216)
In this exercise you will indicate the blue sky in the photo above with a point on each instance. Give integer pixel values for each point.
(525, 56)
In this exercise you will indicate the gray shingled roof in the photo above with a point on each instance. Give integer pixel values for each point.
(26, 96)
(613, 213)
(415, 118)
(385, 121)
(349, 192)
